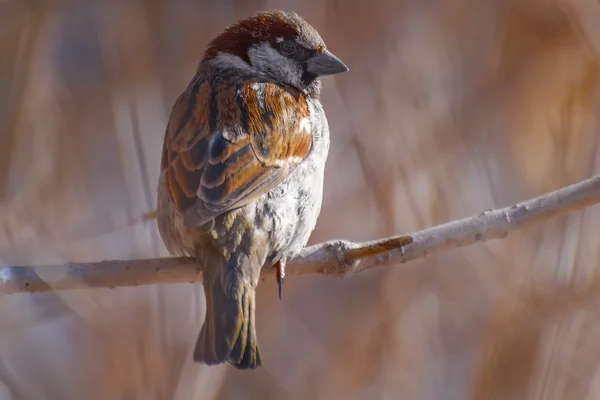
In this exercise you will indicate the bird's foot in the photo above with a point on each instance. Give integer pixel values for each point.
(280, 265)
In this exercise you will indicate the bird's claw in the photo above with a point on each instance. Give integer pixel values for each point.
(280, 284)
(280, 265)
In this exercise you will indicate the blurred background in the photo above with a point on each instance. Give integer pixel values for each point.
(450, 107)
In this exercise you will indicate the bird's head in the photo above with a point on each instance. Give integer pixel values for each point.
(278, 44)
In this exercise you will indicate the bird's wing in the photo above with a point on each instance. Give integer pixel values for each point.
(225, 146)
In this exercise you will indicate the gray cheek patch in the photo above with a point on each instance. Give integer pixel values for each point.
(270, 61)
(229, 61)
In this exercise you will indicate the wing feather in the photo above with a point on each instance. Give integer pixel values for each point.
(227, 145)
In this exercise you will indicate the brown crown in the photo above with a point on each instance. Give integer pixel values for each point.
(264, 27)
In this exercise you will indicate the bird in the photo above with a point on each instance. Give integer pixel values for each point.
(242, 169)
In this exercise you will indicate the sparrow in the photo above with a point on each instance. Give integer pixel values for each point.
(242, 169)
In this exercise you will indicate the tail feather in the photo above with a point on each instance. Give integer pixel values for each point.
(229, 331)
(245, 354)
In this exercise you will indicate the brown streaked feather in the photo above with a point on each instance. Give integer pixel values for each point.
(271, 148)
(227, 107)
(195, 157)
(190, 117)
(225, 146)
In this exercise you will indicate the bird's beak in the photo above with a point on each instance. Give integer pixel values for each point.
(325, 64)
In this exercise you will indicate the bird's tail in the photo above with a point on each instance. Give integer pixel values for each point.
(229, 330)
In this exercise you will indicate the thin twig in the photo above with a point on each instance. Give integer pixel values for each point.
(335, 258)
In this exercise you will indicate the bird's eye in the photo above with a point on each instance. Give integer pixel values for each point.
(287, 48)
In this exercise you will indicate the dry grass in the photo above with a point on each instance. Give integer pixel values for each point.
(450, 107)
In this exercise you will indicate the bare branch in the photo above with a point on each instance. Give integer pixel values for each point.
(335, 258)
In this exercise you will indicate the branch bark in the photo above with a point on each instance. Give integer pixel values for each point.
(336, 258)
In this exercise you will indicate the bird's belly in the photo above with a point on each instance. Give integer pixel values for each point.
(292, 210)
